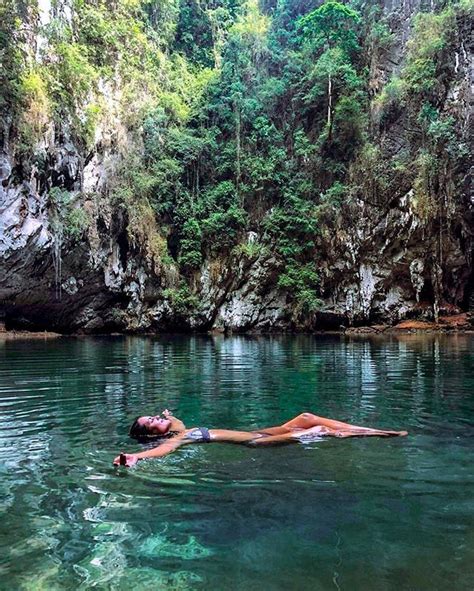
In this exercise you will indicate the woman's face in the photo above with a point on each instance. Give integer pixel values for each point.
(156, 425)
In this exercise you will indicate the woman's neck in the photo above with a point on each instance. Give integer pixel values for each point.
(177, 425)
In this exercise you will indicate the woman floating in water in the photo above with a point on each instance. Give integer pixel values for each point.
(304, 427)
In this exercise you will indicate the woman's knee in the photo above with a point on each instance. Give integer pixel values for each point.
(303, 420)
(304, 415)
(308, 416)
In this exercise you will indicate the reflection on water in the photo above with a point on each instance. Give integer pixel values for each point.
(352, 514)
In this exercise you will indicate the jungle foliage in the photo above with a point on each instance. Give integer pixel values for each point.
(244, 115)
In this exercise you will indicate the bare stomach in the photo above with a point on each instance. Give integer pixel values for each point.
(234, 436)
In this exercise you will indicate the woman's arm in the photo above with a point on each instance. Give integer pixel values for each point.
(157, 452)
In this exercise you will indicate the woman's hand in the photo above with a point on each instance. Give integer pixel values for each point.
(126, 460)
(167, 414)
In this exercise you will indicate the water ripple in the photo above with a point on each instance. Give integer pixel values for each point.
(225, 516)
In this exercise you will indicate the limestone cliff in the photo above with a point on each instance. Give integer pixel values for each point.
(69, 262)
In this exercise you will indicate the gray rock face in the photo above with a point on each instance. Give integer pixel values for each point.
(375, 265)
(250, 303)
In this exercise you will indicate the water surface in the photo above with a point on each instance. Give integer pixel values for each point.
(334, 514)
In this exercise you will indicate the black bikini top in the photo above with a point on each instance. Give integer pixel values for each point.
(199, 434)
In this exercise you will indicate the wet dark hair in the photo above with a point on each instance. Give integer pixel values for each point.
(138, 431)
(141, 433)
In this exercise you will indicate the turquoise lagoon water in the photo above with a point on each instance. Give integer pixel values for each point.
(330, 515)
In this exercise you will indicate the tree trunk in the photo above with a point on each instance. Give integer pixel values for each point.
(237, 143)
(329, 121)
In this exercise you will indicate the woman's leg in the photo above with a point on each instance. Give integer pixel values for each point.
(306, 420)
(366, 433)
(321, 431)
(260, 439)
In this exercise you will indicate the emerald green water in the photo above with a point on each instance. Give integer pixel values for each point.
(334, 514)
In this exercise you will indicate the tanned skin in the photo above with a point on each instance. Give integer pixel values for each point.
(302, 426)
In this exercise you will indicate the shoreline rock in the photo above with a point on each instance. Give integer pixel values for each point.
(27, 334)
(458, 323)
(446, 324)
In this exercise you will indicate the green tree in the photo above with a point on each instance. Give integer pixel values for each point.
(330, 29)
